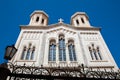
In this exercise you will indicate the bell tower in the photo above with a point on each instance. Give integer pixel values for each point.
(80, 19)
(38, 18)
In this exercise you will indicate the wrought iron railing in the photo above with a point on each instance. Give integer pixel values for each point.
(24, 72)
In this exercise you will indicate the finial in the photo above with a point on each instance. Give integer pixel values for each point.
(60, 20)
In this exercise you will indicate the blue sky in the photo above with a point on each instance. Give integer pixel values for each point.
(102, 13)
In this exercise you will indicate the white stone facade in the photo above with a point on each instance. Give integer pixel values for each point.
(38, 35)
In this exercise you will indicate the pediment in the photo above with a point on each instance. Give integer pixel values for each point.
(61, 29)
(60, 24)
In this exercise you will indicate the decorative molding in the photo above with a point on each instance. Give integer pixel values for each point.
(61, 29)
(88, 33)
(26, 61)
(90, 39)
(89, 36)
(58, 25)
(98, 61)
(101, 67)
(57, 72)
(31, 34)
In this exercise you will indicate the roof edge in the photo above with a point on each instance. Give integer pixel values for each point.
(39, 11)
(79, 13)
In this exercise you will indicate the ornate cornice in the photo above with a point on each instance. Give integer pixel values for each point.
(58, 25)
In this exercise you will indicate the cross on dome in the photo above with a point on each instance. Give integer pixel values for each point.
(60, 20)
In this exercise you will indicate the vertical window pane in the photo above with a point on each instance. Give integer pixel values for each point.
(32, 54)
(72, 53)
(82, 20)
(42, 21)
(37, 19)
(95, 54)
(62, 53)
(52, 51)
(77, 21)
(23, 53)
(28, 54)
(91, 53)
(99, 54)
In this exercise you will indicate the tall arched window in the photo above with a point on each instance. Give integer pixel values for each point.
(62, 54)
(23, 53)
(91, 54)
(52, 51)
(95, 52)
(99, 54)
(28, 52)
(71, 48)
(32, 54)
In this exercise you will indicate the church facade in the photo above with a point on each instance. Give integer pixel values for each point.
(61, 44)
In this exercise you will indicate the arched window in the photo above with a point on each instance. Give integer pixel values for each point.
(82, 20)
(71, 48)
(23, 53)
(99, 54)
(32, 54)
(37, 19)
(91, 54)
(94, 52)
(52, 51)
(77, 21)
(62, 54)
(28, 53)
(42, 21)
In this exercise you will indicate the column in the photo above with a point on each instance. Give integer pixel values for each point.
(67, 54)
(57, 51)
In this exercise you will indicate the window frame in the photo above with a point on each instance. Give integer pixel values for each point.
(71, 51)
(52, 47)
(62, 48)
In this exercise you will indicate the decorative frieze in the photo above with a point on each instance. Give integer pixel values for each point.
(63, 64)
(89, 36)
(61, 29)
(31, 34)
(88, 33)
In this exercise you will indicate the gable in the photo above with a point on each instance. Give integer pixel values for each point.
(61, 29)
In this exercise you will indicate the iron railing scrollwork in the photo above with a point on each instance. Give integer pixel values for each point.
(32, 73)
